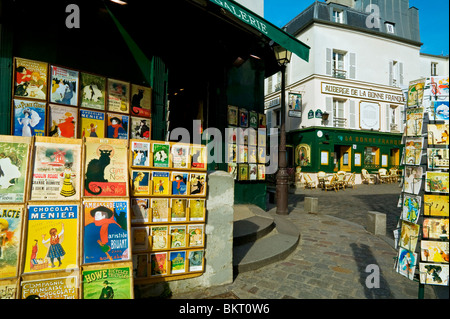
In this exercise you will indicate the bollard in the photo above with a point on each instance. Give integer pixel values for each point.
(376, 223)
(311, 204)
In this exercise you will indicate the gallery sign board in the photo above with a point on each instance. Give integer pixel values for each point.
(355, 92)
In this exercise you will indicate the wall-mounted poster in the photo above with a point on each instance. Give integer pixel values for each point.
(179, 183)
(140, 152)
(8, 289)
(435, 205)
(369, 116)
(56, 169)
(140, 183)
(411, 208)
(29, 118)
(141, 100)
(409, 235)
(438, 134)
(139, 210)
(261, 172)
(435, 228)
(437, 158)
(178, 210)
(180, 156)
(196, 209)
(243, 118)
(158, 264)
(197, 183)
(243, 172)
(414, 121)
(139, 238)
(140, 265)
(117, 126)
(195, 260)
(140, 128)
(51, 241)
(262, 121)
(198, 157)
(161, 183)
(196, 235)
(407, 261)
(413, 150)
(63, 121)
(441, 110)
(161, 153)
(253, 119)
(92, 124)
(10, 239)
(413, 179)
(303, 155)
(118, 96)
(433, 274)
(50, 288)
(113, 281)
(160, 209)
(252, 172)
(434, 251)
(64, 86)
(106, 231)
(93, 91)
(233, 115)
(415, 92)
(177, 261)
(30, 79)
(14, 155)
(106, 167)
(178, 234)
(232, 169)
(437, 182)
(159, 237)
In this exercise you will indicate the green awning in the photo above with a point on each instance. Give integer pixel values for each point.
(284, 39)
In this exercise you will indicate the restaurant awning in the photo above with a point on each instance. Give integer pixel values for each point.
(266, 28)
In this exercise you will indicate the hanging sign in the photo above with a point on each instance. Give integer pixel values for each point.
(318, 114)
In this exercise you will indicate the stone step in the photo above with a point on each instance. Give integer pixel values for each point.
(250, 229)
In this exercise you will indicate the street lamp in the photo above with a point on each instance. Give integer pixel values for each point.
(283, 57)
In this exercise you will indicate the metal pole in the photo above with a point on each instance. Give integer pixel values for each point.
(282, 175)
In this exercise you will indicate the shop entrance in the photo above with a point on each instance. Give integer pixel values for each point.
(344, 158)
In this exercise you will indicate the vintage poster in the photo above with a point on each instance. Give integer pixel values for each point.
(118, 96)
(413, 150)
(106, 231)
(407, 262)
(261, 172)
(139, 238)
(51, 241)
(437, 87)
(117, 126)
(243, 172)
(434, 251)
(436, 182)
(197, 183)
(140, 265)
(243, 118)
(180, 156)
(231, 153)
(159, 235)
(416, 92)
(30, 79)
(92, 124)
(253, 119)
(435, 205)
(177, 262)
(8, 289)
(141, 100)
(158, 264)
(10, 239)
(108, 282)
(161, 183)
(140, 128)
(262, 120)
(242, 154)
(438, 158)
(56, 169)
(252, 172)
(106, 168)
(252, 137)
(51, 288)
(63, 121)
(252, 155)
(140, 152)
(160, 209)
(413, 179)
(232, 169)
(196, 235)
(64, 86)
(93, 91)
(409, 235)
(262, 155)
(14, 156)
(197, 209)
(435, 228)
(198, 157)
(433, 274)
(29, 118)
(195, 260)
(179, 183)
(441, 110)
(414, 121)
(178, 236)
(438, 134)
(178, 209)
(161, 153)
(411, 208)
(139, 210)
(262, 137)
(140, 183)
(233, 112)
(231, 134)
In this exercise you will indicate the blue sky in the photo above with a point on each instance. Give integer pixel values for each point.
(433, 15)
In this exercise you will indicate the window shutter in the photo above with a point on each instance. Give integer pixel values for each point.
(328, 64)
(391, 75)
(388, 122)
(352, 66)
(329, 108)
(352, 114)
(269, 119)
(400, 68)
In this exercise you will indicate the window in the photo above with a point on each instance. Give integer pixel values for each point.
(390, 27)
(394, 119)
(434, 69)
(395, 73)
(338, 16)
(339, 64)
(276, 117)
(339, 114)
(371, 155)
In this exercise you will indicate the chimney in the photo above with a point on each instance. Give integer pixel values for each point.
(347, 3)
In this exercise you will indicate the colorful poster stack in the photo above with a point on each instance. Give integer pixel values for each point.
(423, 237)
(168, 202)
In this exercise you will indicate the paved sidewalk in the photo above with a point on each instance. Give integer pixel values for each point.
(334, 251)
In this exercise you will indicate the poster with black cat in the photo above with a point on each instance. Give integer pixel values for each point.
(141, 100)
(106, 167)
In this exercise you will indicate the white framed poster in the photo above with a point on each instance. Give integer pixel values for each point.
(369, 116)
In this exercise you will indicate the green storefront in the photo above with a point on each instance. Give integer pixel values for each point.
(331, 149)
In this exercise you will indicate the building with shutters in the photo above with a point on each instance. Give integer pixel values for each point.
(345, 107)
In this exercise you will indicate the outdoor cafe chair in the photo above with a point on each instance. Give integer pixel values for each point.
(309, 183)
(368, 178)
(393, 174)
(384, 176)
(350, 181)
(331, 183)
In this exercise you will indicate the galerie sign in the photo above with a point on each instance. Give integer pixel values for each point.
(342, 90)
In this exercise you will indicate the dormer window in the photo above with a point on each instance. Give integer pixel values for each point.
(390, 27)
(338, 16)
